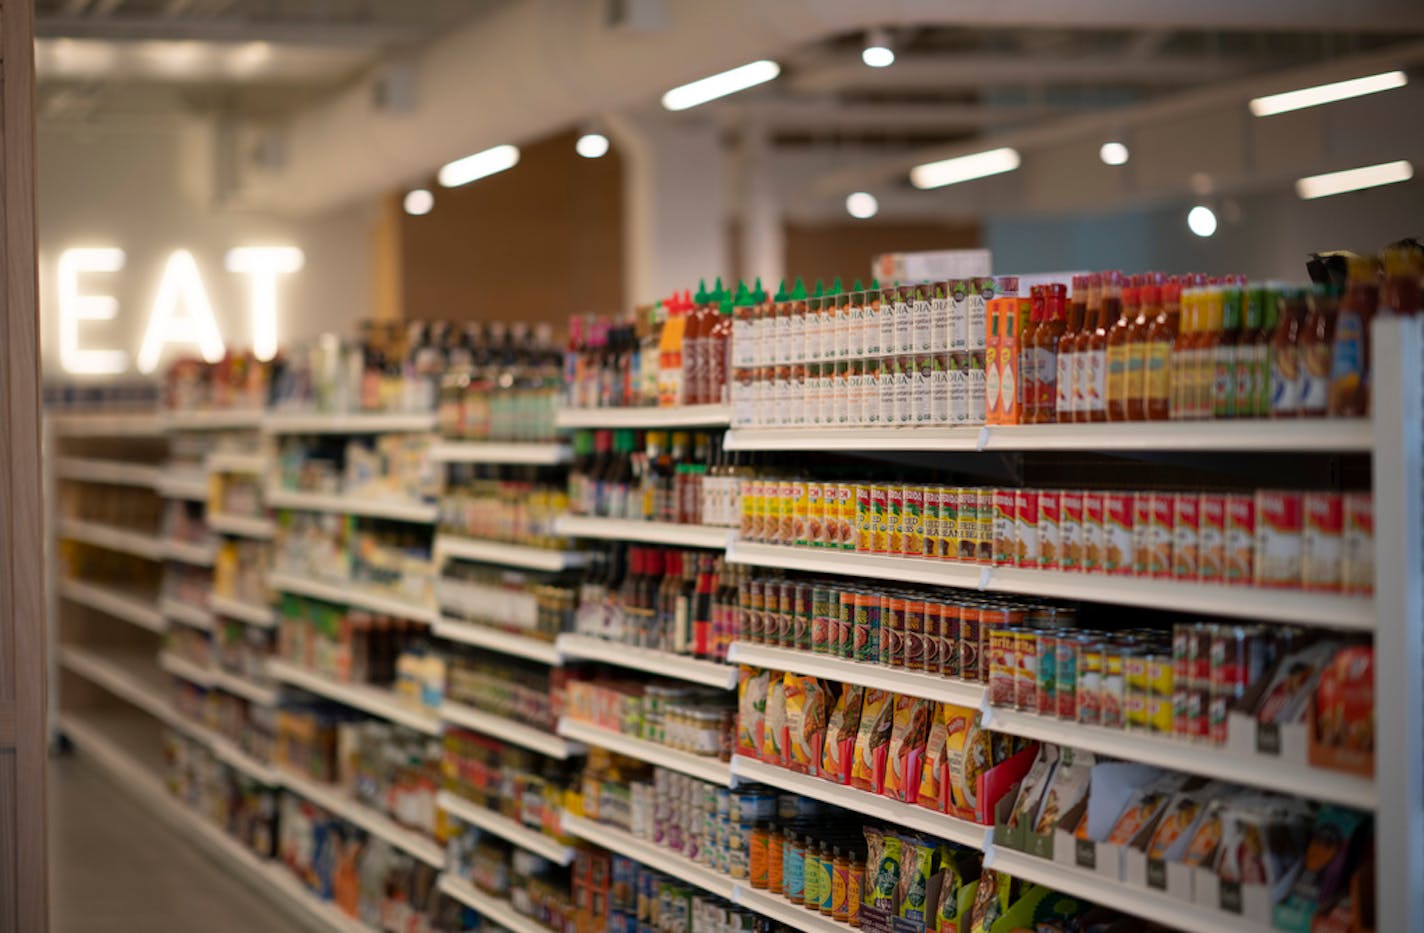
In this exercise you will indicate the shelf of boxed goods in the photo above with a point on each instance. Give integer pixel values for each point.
(134, 608)
(94, 742)
(349, 594)
(108, 472)
(875, 676)
(109, 537)
(682, 416)
(489, 906)
(251, 613)
(379, 702)
(640, 850)
(248, 689)
(573, 647)
(909, 815)
(506, 828)
(380, 422)
(1321, 435)
(617, 529)
(500, 452)
(708, 769)
(497, 640)
(509, 730)
(213, 419)
(368, 818)
(419, 513)
(192, 616)
(199, 674)
(1256, 770)
(241, 526)
(108, 424)
(498, 552)
(1326, 610)
(1130, 899)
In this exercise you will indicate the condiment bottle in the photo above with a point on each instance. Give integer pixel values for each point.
(1208, 336)
(840, 885)
(1046, 339)
(1094, 347)
(1403, 269)
(1115, 309)
(672, 386)
(855, 887)
(1224, 403)
(1161, 337)
(1252, 310)
(1011, 393)
(1350, 367)
(1028, 358)
(1143, 314)
(1286, 377)
(1071, 396)
(775, 859)
(1317, 336)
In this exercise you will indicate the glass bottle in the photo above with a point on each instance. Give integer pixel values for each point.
(1161, 337)
(1116, 302)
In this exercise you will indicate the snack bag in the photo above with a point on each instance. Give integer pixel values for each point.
(882, 881)
(1206, 838)
(1144, 808)
(751, 709)
(916, 870)
(1043, 910)
(773, 733)
(872, 741)
(973, 757)
(934, 777)
(1179, 822)
(905, 756)
(839, 748)
(1335, 840)
(956, 866)
(992, 899)
(1069, 788)
(1033, 787)
(806, 714)
(1345, 702)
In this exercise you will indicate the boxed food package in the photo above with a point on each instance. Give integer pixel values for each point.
(752, 686)
(1257, 858)
(872, 741)
(773, 733)
(1081, 837)
(807, 710)
(906, 752)
(1342, 721)
(1338, 839)
(839, 749)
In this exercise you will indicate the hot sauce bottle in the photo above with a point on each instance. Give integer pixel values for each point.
(1161, 337)
(1145, 313)
(1094, 347)
(1050, 332)
(1350, 366)
(1028, 375)
(1317, 336)
(1072, 397)
(1181, 353)
(1115, 309)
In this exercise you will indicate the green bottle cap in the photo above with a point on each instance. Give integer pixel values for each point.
(701, 296)
(758, 293)
(875, 285)
(857, 287)
(744, 297)
(798, 291)
(836, 287)
(819, 290)
(781, 294)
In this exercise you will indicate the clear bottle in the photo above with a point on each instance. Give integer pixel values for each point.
(1094, 346)
(1161, 337)
(1115, 309)
(1145, 312)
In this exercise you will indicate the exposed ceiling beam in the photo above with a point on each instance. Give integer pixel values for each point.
(1147, 43)
(832, 116)
(105, 7)
(131, 28)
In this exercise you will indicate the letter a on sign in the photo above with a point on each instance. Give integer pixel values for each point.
(181, 313)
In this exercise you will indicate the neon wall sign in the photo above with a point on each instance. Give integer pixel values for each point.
(181, 313)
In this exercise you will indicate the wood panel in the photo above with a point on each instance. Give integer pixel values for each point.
(824, 251)
(23, 887)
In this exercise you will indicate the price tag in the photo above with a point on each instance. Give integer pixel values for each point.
(1268, 738)
(1085, 853)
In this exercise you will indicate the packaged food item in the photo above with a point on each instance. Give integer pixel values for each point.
(1035, 784)
(807, 709)
(872, 740)
(991, 900)
(957, 871)
(1279, 521)
(1070, 524)
(1321, 556)
(1050, 539)
(885, 860)
(839, 748)
(972, 757)
(1186, 536)
(1094, 540)
(984, 527)
(1358, 560)
(943, 750)
(751, 709)
(1292, 683)
(916, 871)
(906, 752)
(1240, 539)
(1344, 727)
(1160, 534)
(1144, 808)
(1005, 528)
(1206, 837)
(1336, 837)
(1179, 820)
(1211, 538)
(773, 734)
(1118, 516)
(1069, 787)
(1026, 528)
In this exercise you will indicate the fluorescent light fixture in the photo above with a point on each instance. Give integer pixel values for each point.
(720, 85)
(1201, 220)
(862, 205)
(263, 264)
(964, 168)
(1113, 153)
(1353, 179)
(877, 52)
(592, 145)
(1326, 93)
(477, 166)
(419, 202)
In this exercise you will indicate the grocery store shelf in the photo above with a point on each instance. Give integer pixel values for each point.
(183, 483)
(1261, 436)
(189, 615)
(1325, 610)
(247, 689)
(423, 513)
(111, 472)
(137, 610)
(227, 751)
(1193, 758)
(688, 416)
(497, 910)
(112, 538)
(374, 700)
(663, 663)
(617, 529)
(242, 526)
(784, 912)
(1140, 902)
(505, 828)
(498, 552)
(368, 818)
(659, 857)
(108, 424)
(877, 676)
(863, 802)
(348, 423)
(130, 677)
(510, 730)
(493, 639)
(230, 608)
(708, 769)
(351, 595)
(499, 452)
(223, 461)
(198, 555)
(215, 419)
(182, 667)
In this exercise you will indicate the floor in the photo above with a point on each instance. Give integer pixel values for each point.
(114, 868)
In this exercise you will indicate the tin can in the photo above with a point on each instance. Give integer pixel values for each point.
(1065, 675)
(1094, 540)
(1134, 671)
(880, 510)
(1047, 674)
(845, 624)
(864, 520)
(1141, 533)
(786, 614)
(1070, 530)
(1026, 528)
(1026, 674)
(750, 611)
(847, 503)
(1160, 533)
(968, 524)
(1090, 680)
(1003, 666)
(1050, 541)
(1111, 710)
(933, 636)
(803, 617)
(1159, 714)
(894, 519)
(1238, 657)
(949, 639)
(914, 659)
(892, 630)
(1005, 528)
(1198, 712)
(984, 527)
(912, 514)
(948, 540)
(808, 524)
(821, 619)
(865, 632)
(1279, 534)
(930, 531)
(970, 656)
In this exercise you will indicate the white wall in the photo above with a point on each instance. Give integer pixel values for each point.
(140, 187)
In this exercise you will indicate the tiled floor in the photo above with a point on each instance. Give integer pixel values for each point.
(114, 868)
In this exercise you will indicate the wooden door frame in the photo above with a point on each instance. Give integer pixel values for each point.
(24, 890)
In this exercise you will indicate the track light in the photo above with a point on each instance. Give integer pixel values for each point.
(878, 52)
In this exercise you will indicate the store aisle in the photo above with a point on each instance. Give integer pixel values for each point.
(114, 867)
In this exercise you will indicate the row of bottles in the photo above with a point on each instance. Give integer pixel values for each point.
(679, 477)
(498, 382)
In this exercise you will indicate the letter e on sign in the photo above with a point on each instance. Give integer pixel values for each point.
(76, 307)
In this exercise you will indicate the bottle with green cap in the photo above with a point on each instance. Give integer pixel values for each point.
(796, 329)
(719, 346)
(694, 343)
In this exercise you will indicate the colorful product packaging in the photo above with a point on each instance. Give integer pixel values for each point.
(1279, 532)
(1322, 546)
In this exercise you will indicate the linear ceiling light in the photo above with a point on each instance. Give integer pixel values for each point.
(720, 85)
(964, 168)
(477, 166)
(1353, 179)
(1326, 93)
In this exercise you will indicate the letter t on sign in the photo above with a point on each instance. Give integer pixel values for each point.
(264, 264)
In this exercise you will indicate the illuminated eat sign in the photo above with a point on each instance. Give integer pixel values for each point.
(181, 312)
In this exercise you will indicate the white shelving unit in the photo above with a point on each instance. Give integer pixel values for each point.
(214, 419)
(877, 676)
(499, 552)
(198, 555)
(394, 422)
(685, 416)
(110, 472)
(665, 664)
(495, 909)
(708, 769)
(351, 595)
(247, 689)
(228, 461)
(493, 639)
(531, 454)
(783, 911)
(512, 731)
(143, 424)
(187, 614)
(616, 529)
(185, 485)
(264, 616)
(369, 819)
(241, 526)
(659, 857)
(381, 703)
(133, 679)
(419, 513)
(129, 607)
(505, 828)
(147, 546)
(182, 667)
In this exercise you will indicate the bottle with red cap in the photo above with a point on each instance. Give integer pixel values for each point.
(1045, 344)
(1116, 303)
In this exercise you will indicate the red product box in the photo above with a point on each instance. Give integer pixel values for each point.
(1359, 557)
(1070, 530)
(1186, 536)
(1006, 534)
(1026, 525)
(1240, 539)
(1161, 514)
(1280, 521)
(1323, 545)
(1141, 557)
(1211, 538)
(1050, 541)
(1119, 512)
(1094, 550)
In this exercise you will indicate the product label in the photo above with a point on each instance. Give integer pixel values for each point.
(1278, 538)
(904, 323)
(939, 389)
(1005, 528)
(1322, 549)
(1186, 522)
(1240, 539)
(1117, 372)
(870, 326)
(1223, 402)
(939, 320)
(1050, 542)
(921, 389)
(1117, 533)
(1046, 377)
(1347, 366)
(1287, 381)
(1063, 402)
(853, 346)
(958, 391)
(1315, 378)
(978, 310)
(975, 377)
(1358, 570)
(889, 312)
(1097, 381)
(1070, 530)
(1094, 536)
(959, 317)
(904, 403)
(1008, 386)
(1159, 534)
(1026, 528)
(1211, 538)
(1158, 382)
(923, 314)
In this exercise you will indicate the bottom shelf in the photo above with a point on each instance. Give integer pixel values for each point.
(269, 878)
(495, 909)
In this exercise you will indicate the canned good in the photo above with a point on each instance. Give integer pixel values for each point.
(1160, 676)
(803, 620)
(1094, 542)
(1118, 515)
(1111, 696)
(821, 619)
(948, 539)
(984, 527)
(844, 641)
(864, 519)
(1047, 673)
(1159, 714)
(968, 524)
(1005, 528)
(1026, 673)
(1050, 541)
(880, 527)
(949, 639)
(1186, 537)
(971, 658)
(1238, 657)
(894, 520)
(750, 612)
(847, 503)
(912, 514)
(1003, 666)
(930, 531)
(866, 630)
(1065, 675)
(1090, 680)
(1026, 528)
(932, 636)
(892, 631)
(914, 659)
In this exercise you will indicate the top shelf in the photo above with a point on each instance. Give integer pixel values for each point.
(376, 422)
(108, 424)
(684, 416)
(534, 454)
(1318, 435)
(219, 419)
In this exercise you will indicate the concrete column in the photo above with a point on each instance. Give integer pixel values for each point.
(675, 203)
(763, 239)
